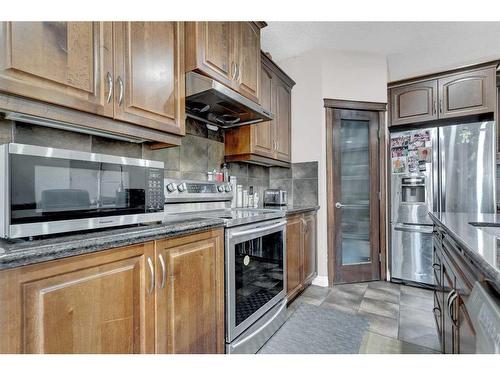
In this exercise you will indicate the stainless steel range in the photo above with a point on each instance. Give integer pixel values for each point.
(255, 259)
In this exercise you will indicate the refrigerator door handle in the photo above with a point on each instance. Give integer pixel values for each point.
(414, 228)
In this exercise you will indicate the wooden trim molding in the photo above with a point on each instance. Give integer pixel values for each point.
(353, 104)
(428, 76)
(332, 154)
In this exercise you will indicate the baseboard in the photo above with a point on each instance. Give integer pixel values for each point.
(320, 281)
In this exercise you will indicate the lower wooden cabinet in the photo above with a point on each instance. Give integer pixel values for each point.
(119, 300)
(454, 282)
(300, 252)
(190, 298)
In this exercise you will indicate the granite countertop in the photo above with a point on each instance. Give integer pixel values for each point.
(17, 253)
(295, 209)
(480, 244)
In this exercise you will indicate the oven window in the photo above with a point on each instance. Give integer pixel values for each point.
(51, 189)
(258, 273)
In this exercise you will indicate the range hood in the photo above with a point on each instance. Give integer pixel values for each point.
(213, 103)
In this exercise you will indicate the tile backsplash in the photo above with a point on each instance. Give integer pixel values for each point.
(300, 181)
(201, 150)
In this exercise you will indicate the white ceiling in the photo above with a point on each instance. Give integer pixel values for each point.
(287, 39)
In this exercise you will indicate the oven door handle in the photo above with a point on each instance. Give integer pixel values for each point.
(256, 230)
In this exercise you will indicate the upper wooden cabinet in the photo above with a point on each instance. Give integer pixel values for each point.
(248, 60)
(149, 73)
(64, 63)
(468, 93)
(267, 143)
(229, 52)
(414, 103)
(130, 72)
(464, 93)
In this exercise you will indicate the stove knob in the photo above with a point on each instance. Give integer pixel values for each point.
(220, 188)
(182, 187)
(227, 189)
(171, 187)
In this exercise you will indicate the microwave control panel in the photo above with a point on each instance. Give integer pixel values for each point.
(155, 197)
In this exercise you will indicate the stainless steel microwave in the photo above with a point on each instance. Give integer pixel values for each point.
(45, 190)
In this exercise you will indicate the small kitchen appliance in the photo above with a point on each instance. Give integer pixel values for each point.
(275, 197)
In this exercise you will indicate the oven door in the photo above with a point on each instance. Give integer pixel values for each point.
(255, 273)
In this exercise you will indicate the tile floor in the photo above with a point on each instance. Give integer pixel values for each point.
(401, 320)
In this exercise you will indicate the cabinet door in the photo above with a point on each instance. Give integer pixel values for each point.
(101, 303)
(414, 103)
(64, 63)
(190, 306)
(294, 244)
(263, 133)
(467, 93)
(448, 343)
(309, 247)
(211, 49)
(248, 60)
(149, 70)
(282, 122)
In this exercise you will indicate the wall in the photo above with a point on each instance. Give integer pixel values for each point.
(330, 74)
(300, 181)
(415, 63)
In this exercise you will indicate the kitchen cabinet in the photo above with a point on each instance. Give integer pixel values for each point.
(229, 52)
(96, 303)
(124, 78)
(64, 63)
(190, 303)
(266, 143)
(294, 251)
(301, 249)
(414, 103)
(149, 71)
(463, 92)
(454, 281)
(467, 93)
(310, 233)
(164, 297)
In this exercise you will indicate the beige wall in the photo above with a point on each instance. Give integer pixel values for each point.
(330, 74)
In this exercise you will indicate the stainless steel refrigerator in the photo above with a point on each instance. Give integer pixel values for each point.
(445, 169)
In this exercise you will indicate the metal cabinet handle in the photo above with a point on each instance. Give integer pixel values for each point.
(152, 275)
(237, 71)
(109, 77)
(163, 272)
(120, 94)
(434, 107)
(452, 301)
(233, 68)
(440, 105)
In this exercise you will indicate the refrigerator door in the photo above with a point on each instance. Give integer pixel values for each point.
(467, 167)
(413, 191)
(412, 253)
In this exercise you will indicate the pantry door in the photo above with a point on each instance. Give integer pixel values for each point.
(353, 195)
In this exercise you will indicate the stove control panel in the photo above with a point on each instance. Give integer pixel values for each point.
(196, 191)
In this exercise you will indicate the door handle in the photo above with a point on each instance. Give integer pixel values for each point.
(163, 272)
(120, 93)
(109, 77)
(152, 276)
(339, 205)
